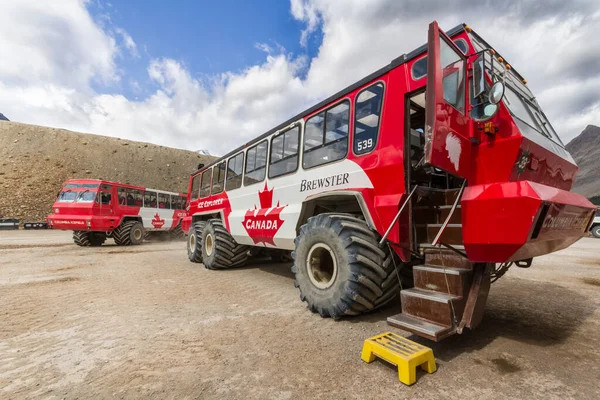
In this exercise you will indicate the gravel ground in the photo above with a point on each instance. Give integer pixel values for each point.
(143, 322)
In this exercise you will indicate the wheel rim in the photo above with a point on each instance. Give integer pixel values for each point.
(209, 244)
(193, 242)
(137, 234)
(321, 265)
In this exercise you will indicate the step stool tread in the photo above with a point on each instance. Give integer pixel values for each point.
(402, 352)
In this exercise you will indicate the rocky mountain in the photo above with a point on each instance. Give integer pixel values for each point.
(3, 118)
(585, 149)
(35, 161)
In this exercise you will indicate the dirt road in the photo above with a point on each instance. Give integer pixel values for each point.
(143, 322)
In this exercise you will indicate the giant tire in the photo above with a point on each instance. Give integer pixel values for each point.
(85, 239)
(194, 241)
(129, 233)
(176, 233)
(347, 273)
(596, 231)
(219, 249)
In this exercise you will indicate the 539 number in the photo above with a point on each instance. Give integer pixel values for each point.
(364, 145)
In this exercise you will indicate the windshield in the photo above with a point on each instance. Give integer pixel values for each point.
(67, 196)
(519, 100)
(86, 197)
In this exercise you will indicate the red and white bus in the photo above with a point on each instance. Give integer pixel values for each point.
(97, 209)
(438, 171)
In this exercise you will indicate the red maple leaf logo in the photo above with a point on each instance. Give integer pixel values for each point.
(157, 222)
(263, 223)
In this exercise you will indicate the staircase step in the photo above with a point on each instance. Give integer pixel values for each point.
(433, 196)
(452, 233)
(436, 214)
(431, 305)
(420, 327)
(456, 216)
(446, 280)
(444, 257)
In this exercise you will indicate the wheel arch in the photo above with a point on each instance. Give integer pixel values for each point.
(207, 215)
(348, 201)
(131, 218)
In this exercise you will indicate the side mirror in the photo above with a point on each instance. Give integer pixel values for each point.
(496, 93)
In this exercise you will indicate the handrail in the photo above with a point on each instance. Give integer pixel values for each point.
(439, 234)
(387, 232)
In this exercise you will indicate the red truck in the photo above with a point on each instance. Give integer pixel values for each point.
(431, 176)
(96, 209)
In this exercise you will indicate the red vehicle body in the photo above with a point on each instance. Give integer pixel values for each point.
(442, 159)
(97, 209)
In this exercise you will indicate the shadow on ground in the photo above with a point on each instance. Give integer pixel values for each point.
(534, 313)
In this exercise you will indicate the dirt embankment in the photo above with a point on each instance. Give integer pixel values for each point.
(35, 161)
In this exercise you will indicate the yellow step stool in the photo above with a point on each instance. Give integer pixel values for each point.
(405, 354)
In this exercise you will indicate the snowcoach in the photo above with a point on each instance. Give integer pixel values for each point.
(430, 177)
(96, 209)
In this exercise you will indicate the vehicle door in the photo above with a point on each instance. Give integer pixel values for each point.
(447, 144)
(104, 200)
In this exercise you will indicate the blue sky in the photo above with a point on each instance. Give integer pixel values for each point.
(208, 37)
(191, 74)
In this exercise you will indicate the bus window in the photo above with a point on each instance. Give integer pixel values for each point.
(150, 199)
(234, 172)
(164, 200)
(366, 118)
(218, 178)
(182, 202)
(256, 163)
(195, 187)
(134, 197)
(205, 183)
(122, 195)
(284, 153)
(326, 136)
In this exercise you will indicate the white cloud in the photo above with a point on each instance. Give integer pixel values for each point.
(53, 42)
(56, 54)
(128, 42)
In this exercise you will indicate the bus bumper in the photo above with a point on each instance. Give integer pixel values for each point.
(511, 221)
(80, 222)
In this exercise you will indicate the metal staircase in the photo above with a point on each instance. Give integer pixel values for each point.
(449, 292)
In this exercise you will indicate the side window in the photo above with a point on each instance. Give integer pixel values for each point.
(174, 200)
(367, 116)
(105, 195)
(218, 178)
(235, 167)
(182, 201)
(256, 163)
(163, 200)
(284, 153)
(205, 183)
(122, 194)
(419, 68)
(134, 197)
(150, 199)
(326, 136)
(453, 82)
(195, 187)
